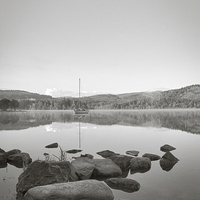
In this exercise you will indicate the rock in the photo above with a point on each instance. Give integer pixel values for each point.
(53, 145)
(166, 148)
(140, 164)
(3, 164)
(151, 156)
(83, 167)
(87, 155)
(43, 173)
(168, 161)
(73, 151)
(3, 157)
(169, 156)
(107, 153)
(124, 184)
(85, 190)
(19, 160)
(132, 153)
(13, 151)
(105, 168)
(2, 151)
(122, 161)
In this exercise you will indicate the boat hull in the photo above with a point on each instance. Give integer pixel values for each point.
(79, 112)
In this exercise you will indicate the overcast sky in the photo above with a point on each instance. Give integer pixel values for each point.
(114, 46)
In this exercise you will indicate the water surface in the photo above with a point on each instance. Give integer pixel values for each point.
(142, 130)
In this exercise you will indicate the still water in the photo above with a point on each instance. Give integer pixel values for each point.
(143, 130)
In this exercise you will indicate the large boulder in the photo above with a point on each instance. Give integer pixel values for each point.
(3, 157)
(168, 161)
(124, 184)
(19, 160)
(43, 173)
(107, 153)
(132, 152)
(151, 156)
(140, 164)
(13, 151)
(84, 167)
(105, 168)
(167, 147)
(122, 161)
(85, 190)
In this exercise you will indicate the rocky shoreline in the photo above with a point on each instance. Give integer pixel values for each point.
(85, 177)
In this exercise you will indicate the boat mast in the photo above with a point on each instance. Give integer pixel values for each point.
(79, 87)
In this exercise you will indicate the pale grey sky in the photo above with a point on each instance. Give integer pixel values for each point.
(114, 46)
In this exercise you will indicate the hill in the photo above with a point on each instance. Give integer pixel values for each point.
(22, 95)
(186, 97)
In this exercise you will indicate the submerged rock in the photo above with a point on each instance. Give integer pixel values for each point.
(43, 173)
(53, 145)
(73, 151)
(151, 156)
(105, 168)
(124, 184)
(140, 164)
(168, 161)
(86, 190)
(107, 153)
(132, 153)
(167, 147)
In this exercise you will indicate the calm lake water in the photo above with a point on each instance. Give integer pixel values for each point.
(145, 131)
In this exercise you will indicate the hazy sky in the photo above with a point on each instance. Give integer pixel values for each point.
(114, 46)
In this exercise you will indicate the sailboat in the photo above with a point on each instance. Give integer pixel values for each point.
(80, 111)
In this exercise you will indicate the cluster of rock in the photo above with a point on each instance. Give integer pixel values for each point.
(86, 177)
(14, 157)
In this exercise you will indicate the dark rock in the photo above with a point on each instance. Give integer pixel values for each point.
(13, 151)
(43, 173)
(166, 148)
(169, 156)
(85, 190)
(124, 184)
(53, 145)
(105, 168)
(3, 157)
(122, 161)
(87, 155)
(140, 164)
(73, 151)
(107, 153)
(132, 153)
(2, 151)
(151, 156)
(166, 165)
(19, 160)
(168, 161)
(84, 167)
(3, 164)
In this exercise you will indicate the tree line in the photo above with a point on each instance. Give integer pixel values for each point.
(87, 103)
(6, 104)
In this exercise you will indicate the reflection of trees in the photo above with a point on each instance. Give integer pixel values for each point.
(6, 119)
(185, 120)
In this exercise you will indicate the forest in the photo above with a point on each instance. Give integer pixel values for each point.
(187, 97)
